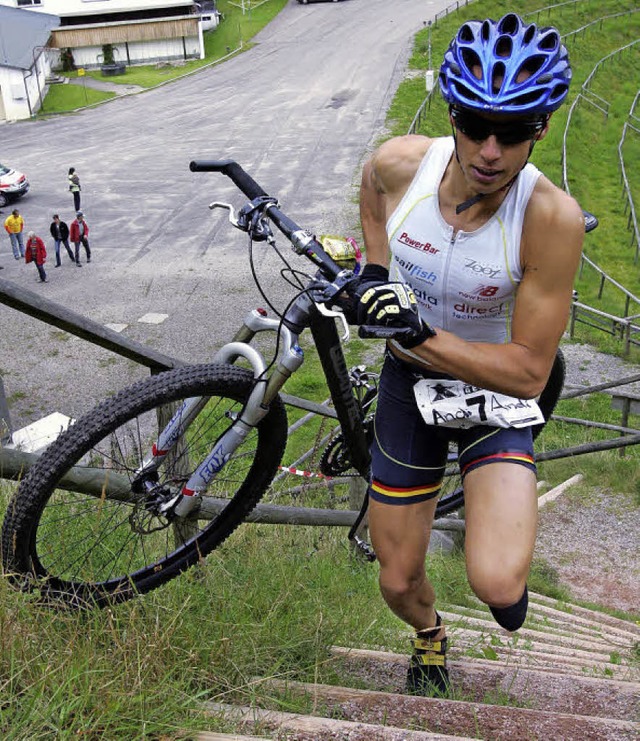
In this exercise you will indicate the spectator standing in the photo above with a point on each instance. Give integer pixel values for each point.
(14, 226)
(74, 187)
(60, 233)
(80, 235)
(36, 252)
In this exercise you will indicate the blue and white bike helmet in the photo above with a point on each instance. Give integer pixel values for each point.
(483, 66)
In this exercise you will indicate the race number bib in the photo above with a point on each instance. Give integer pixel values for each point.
(444, 403)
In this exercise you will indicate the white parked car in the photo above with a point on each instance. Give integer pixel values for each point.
(13, 185)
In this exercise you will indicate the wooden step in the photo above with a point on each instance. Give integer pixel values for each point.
(554, 622)
(315, 728)
(582, 646)
(495, 722)
(625, 626)
(478, 679)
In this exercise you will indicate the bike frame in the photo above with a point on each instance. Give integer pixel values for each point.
(302, 314)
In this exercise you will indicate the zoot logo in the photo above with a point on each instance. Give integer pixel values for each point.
(491, 271)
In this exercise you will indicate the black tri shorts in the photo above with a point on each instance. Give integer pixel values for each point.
(409, 456)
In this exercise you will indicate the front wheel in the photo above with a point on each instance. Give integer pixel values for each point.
(82, 532)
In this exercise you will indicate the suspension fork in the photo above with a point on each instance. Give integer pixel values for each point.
(255, 409)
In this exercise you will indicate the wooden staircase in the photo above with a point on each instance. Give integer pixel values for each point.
(572, 675)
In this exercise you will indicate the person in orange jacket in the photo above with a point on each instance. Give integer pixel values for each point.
(36, 252)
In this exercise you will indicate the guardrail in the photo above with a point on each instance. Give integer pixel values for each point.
(625, 328)
(34, 305)
(632, 220)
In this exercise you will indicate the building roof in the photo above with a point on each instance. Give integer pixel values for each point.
(21, 32)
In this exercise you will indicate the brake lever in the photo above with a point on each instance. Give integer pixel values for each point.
(249, 219)
(334, 314)
(233, 219)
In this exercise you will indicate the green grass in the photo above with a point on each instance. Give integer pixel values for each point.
(63, 98)
(273, 599)
(233, 33)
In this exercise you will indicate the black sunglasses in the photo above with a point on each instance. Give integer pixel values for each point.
(479, 129)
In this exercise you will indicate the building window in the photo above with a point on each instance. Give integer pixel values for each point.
(22, 3)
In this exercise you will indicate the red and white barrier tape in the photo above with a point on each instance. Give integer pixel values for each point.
(305, 474)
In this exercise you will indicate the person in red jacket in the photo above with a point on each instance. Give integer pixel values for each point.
(79, 234)
(36, 252)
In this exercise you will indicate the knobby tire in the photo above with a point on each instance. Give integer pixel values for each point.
(77, 532)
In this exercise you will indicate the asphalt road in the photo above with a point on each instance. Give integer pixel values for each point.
(300, 111)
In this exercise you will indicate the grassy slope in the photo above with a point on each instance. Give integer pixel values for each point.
(269, 603)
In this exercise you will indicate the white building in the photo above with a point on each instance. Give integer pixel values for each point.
(24, 64)
(141, 31)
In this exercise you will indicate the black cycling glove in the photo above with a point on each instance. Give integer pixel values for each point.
(386, 304)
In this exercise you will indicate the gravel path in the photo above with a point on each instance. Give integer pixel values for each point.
(591, 535)
(591, 539)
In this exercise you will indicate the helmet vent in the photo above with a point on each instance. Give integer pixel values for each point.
(485, 31)
(528, 98)
(466, 34)
(504, 47)
(559, 91)
(463, 92)
(498, 77)
(550, 41)
(532, 65)
(472, 62)
(509, 24)
(530, 33)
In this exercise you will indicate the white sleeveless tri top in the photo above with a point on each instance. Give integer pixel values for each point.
(464, 283)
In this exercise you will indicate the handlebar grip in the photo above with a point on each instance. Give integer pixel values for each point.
(233, 171)
(372, 331)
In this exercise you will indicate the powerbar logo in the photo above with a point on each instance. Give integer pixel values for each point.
(404, 238)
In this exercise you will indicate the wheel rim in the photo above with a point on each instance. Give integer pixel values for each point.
(111, 542)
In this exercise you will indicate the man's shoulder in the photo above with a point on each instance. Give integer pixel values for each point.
(553, 207)
(410, 147)
(397, 160)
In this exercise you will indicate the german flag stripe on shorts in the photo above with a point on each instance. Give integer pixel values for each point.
(403, 494)
(522, 458)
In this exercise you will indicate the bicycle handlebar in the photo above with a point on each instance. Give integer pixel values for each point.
(232, 170)
(304, 243)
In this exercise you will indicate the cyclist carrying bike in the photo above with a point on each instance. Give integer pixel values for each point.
(486, 248)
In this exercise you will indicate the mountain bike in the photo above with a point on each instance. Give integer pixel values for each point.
(155, 478)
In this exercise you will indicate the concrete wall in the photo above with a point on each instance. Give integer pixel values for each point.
(20, 92)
